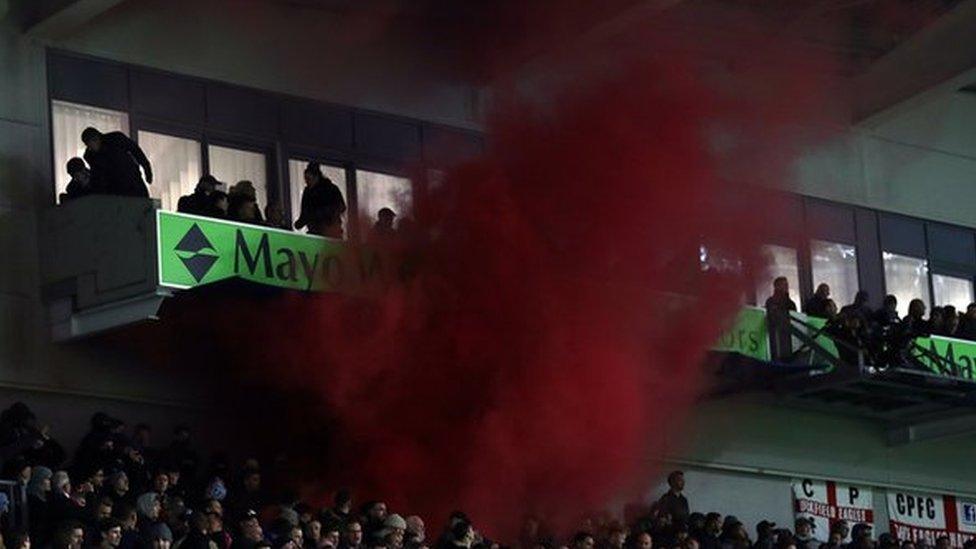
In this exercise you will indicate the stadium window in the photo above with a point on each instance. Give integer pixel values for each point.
(176, 166)
(375, 191)
(777, 261)
(835, 264)
(713, 260)
(232, 165)
(952, 290)
(906, 278)
(68, 120)
(296, 182)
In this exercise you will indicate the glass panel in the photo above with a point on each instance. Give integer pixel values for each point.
(835, 265)
(375, 191)
(176, 166)
(777, 261)
(296, 180)
(952, 290)
(906, 278)
(232, 165)
(68, 120)
(714, 260)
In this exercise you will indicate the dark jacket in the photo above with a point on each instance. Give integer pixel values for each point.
(817, 306)
(115, 167)
(676, 505)
(322, 204)
(198, 203)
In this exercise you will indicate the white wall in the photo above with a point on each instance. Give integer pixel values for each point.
(920, 163)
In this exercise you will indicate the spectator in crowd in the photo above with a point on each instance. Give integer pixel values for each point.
(967, 324)
(352, 536)
(250, 532)
(80, 183)
(817, 305)
(38, 495)
(383, 230)
(804, 539)
(322, 204)
(274, 216)
(110, 533)
(643, 540)
(765, 535)
(115, 161)
(463, 530)
(887, 315)
(129, 519)
(734, 535)
(950, 322)
(341, 507)
(778, 308)
(709, 537)
(859, 308)
(221, 204)
(160, 536)
(674, 502)
(242, 203)
(936, 321)
(118, 488)
(202, 200)
(70, 534)
(914, 322)
(416, 532)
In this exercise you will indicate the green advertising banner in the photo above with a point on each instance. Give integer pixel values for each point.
(959, 352)
(193, 251)
(748, 336)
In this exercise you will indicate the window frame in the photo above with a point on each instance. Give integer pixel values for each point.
(252, 145)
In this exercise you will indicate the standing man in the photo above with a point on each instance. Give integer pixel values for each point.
(673, 501)
(115, 161)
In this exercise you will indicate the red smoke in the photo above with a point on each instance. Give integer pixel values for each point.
(538, 352)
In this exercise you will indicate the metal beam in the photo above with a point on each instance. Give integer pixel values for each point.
(939, 59)
(68, 17)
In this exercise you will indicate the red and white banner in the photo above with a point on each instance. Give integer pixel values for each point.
(828, 502)
(926, 517)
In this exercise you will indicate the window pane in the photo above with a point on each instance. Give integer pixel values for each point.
(906, 278)
(713, 260)
(68, 120)
(777, 261)
(176, 166)
(233, 165)
(951, 290)
(296, 180)
(375, 191)
(835, 265)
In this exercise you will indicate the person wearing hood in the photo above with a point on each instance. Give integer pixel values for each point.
(393, 531)
(38, 496)
(148, 507)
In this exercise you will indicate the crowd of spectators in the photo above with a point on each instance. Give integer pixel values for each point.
(882, 336)
(114, 164)
(118, 491)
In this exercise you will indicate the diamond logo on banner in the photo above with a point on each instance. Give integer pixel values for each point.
(191, 245)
